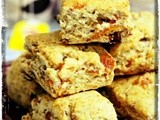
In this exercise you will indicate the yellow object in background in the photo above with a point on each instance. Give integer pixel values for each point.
(23, 28)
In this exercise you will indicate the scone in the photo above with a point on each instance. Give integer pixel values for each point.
(84, 21)
(88, 105)
(67, 69)
(21, 87)
(146, 23)
(136, 53)
(135, 96)
(139, 30)
(135, 57)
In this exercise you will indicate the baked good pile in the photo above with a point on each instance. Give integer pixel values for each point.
(101, 45)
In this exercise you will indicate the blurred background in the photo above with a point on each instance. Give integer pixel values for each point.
(24, 17)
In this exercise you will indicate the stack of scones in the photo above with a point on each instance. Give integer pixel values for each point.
(101, 44)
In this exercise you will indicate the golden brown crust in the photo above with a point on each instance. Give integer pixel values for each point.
(134, 57)
(136, 53)
(92, 21)
(67, 69)
(21, 86)
(80, 106)
(135, 96)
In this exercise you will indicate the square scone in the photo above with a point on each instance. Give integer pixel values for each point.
(68, 69)
(88, 105)
(136, 53)
(135, 96)
(21, 86)
(84, 21)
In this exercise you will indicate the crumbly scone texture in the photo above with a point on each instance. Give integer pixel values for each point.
(135, 96)
(135, 57)
(84, 21)
(67, 69)
(136, 53)
(138, 29)
(88, 105)
(149, 27)
(21, 87)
